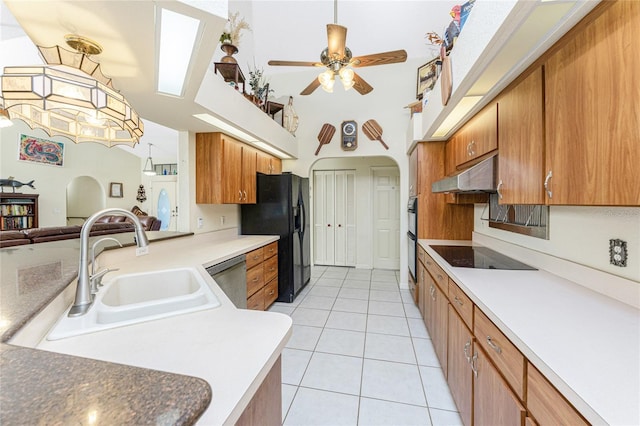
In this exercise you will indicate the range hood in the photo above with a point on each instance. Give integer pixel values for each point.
(477, 178)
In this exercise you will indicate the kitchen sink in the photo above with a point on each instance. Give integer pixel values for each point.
(133, 298)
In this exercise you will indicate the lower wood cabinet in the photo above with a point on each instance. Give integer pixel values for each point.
(460, 374)
(493, 402)
(491, 381)
(265, 408)
(262, 277)
(546, 404)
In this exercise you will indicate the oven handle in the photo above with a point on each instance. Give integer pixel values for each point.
(411, 236)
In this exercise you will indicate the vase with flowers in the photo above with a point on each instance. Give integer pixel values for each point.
(259, 85)
(230, 37)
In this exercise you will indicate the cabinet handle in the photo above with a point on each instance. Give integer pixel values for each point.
(493, 345)
(256, 257)
(498, 189)
(239, 195)
(271, 293)
(433, 292)
(466, 351)
(440, 277)
(458, 301)
(245, 195)
(339, 225)
(255, 280)
(469, 149)
(546, 184)
(473, 364)
(428, 263)
(329, 225)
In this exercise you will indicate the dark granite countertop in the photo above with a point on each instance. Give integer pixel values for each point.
(44, 387)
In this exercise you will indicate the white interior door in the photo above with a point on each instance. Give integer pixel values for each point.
(386, 217)
(164, 196)
(334, 217)
(323, 217)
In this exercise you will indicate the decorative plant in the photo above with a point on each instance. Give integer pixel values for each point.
(233, 29)
(257, 82)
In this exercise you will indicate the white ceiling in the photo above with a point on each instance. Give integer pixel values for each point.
(283, 29)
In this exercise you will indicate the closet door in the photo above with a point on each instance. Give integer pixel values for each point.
(334, 208)
(323, 217)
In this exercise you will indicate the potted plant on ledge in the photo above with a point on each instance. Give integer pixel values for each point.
(230, 38)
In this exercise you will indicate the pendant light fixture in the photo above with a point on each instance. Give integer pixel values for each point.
(149, 170)
(71, 97)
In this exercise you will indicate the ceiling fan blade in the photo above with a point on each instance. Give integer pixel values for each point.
(311, 88)
(383, 58)
(360, 85)
(295, 64)
(337, 40)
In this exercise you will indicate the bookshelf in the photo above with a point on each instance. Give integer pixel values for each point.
(18, 211)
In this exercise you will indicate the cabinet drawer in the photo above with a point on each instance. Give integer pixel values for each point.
(270, 292)
(439, 276)
(254, 257)
(462, 304)
(505, 356)
(270, 268)
(421, 255)
(256, 302)
(255, 280)
(546, 404)
(270, 250)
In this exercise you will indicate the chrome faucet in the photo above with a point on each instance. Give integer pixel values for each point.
(84, 298)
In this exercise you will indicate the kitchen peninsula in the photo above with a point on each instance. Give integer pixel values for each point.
(205, 366)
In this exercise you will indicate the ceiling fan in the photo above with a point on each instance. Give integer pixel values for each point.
(338, 59)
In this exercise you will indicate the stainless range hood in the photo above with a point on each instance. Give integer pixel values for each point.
(477, 178)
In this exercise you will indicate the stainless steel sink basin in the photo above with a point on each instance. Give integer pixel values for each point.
(133, 298)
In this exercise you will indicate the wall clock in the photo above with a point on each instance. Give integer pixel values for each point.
(349, 140)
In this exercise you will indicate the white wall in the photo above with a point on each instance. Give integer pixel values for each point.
(86, 159)
(581, 235)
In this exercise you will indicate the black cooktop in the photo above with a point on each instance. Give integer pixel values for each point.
(478, 257)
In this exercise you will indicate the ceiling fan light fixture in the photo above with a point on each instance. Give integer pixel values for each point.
(347, 76)
(5, 120)
(327, 80)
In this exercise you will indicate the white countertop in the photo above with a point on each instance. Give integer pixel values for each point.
(585, 343)
(232, 349)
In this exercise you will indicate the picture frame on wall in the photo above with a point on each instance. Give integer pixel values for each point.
(427, 77)
(115, 190)
(41, 151)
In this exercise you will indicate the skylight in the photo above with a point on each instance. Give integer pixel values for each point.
(177, 40)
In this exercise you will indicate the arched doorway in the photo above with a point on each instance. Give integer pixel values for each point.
(85, 196)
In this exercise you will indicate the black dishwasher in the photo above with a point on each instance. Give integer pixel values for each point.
(231, 276)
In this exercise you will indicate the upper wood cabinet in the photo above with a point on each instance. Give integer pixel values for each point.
(521, 133)
(268, 164)
(225, 170)
(592, 110)
(478, 137)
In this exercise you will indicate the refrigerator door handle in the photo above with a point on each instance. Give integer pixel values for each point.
(303, 213)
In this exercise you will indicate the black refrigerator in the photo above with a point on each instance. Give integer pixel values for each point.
(282, 208)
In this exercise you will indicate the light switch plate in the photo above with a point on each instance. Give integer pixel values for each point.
(618, 252)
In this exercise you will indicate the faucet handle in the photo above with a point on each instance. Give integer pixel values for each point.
(96, 279)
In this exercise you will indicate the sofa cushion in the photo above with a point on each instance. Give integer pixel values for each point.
(53, 231)
(13, 238)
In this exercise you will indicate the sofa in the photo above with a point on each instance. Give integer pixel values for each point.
(105, 225)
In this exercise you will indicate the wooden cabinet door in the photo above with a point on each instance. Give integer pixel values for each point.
(263, 163)
(521, 133)
(248, 177)
(231, 171)
(413, 172)
(441, 326)
(478, 137)
(422, 285)
(493, 402)
(459, 373)
(592, 110)
(276, 166)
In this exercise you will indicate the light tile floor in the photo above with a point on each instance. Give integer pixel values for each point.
(360, 355)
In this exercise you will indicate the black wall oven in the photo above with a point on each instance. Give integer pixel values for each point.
(412, 235)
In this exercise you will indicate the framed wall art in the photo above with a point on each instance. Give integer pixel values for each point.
(41, 151)
(115, 190)
(427, 76)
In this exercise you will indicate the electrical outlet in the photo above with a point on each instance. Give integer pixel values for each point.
(200, 223)
(222, 220)
(618, 252)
